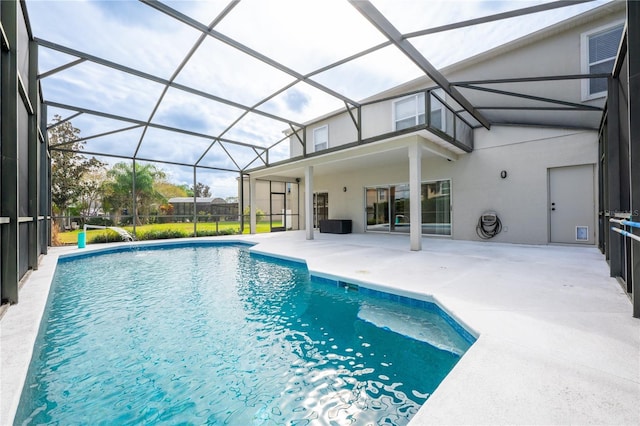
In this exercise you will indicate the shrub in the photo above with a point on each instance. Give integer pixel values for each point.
(212, 233)
(162, 234)
(99, 221)
(106, 237)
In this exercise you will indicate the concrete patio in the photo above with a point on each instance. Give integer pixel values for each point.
(557, 342)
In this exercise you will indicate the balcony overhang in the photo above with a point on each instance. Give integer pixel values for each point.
(383, 153)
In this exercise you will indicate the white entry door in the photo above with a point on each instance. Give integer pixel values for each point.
(572, 205)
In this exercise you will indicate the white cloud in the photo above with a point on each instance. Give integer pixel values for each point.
(172, 146)
(191, 112)
(317, 103)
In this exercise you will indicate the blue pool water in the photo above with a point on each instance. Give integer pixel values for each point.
(214, 335)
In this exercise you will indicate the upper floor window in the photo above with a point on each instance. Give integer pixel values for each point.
(599, 50)
(321, 138)
(408, 112)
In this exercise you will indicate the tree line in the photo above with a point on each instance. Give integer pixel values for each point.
(85, 187)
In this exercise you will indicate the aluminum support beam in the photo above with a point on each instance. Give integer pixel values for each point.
(241, 201)
(532, 79)
(45, 187)
(9, 239)
(143, 123)
(127, 157)
(61, 68)
(497, 17)
(34, 159)
(304, 141)
(4, 41)
(195, 202)
(259, 156)
(415, 204)
(133, 194)
(252, 205)
(612, 158)
(295, 133)
(532, 108)
(633, 49)
(380, 21)
(99, 135)
(64, 120)
(308, 202)
(356, 123)
(531, 97)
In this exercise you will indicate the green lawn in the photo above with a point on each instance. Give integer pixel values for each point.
(71, 237)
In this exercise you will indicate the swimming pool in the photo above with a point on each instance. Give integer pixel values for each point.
(213, 334)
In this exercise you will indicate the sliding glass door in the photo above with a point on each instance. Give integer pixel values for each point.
(377, 202)
(400, 208)
(388, 208)
(436, 207)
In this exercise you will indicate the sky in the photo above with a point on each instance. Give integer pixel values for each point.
(301, 35)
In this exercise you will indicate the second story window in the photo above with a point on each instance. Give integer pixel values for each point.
(408, 112)
(599, 50)
(320, 138)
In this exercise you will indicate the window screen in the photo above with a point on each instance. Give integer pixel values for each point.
(603, 48)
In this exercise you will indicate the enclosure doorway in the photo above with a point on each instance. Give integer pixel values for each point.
(320, 208)
(278, 208)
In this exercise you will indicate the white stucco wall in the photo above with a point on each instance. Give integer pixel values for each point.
(521, 200)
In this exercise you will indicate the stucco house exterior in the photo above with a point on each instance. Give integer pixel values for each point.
(534, 167)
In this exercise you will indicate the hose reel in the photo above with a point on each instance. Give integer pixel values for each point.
(489, 225)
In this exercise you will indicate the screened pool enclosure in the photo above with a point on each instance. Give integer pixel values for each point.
(207, 92)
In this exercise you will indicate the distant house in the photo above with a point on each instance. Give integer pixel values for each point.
(209, 209)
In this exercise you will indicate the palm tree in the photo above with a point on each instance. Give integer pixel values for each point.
(118, 189)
